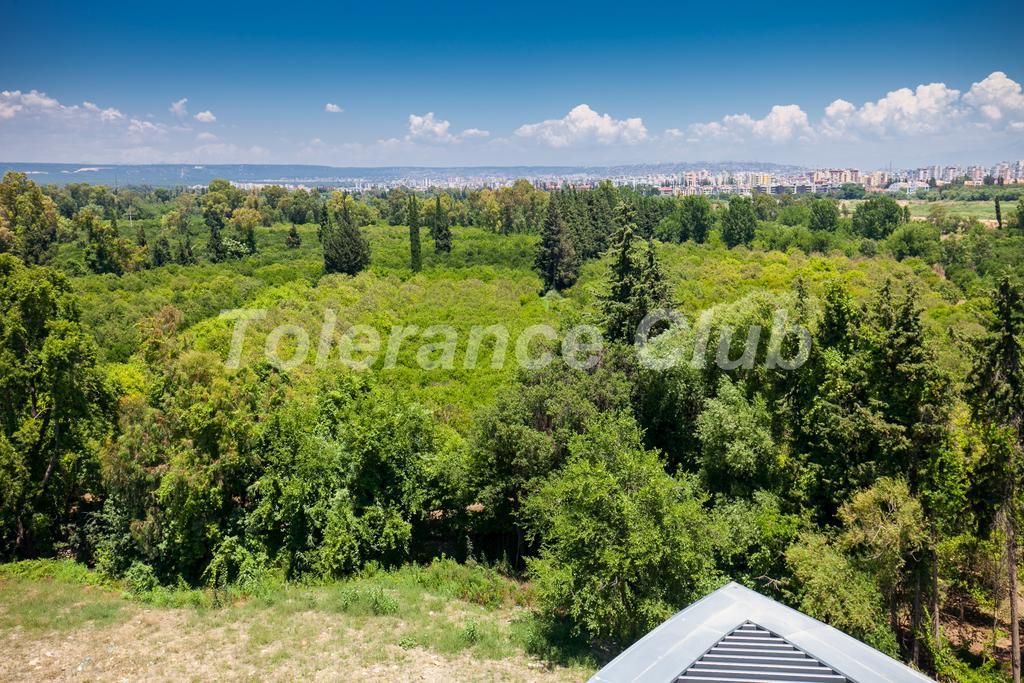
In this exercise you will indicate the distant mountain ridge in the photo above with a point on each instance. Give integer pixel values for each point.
(172, 175)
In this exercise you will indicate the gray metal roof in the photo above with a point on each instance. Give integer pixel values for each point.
(698, 644)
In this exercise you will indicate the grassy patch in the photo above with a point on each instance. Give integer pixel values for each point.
(453, 615)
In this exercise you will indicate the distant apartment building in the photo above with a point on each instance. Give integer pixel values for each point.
(876, 180)
(836, 176)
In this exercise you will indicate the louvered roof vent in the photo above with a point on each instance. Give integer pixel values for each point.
(736, 635)
(753, 653)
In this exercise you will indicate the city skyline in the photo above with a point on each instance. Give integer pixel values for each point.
(670, 179)
(356, 85)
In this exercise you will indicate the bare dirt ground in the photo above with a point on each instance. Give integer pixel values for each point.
(122, 640)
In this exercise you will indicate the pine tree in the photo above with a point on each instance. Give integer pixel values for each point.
(346, 250)
(997, 397)
(556, 254)
(636, 285)
(415, 251)
(653, 287)
(215, 247)
(185, 256)
(439, 229)
(293, 240)
(160, 254)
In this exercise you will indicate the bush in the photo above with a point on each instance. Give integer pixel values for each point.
(140, 578)
(877, 217)
(828, 587)
(622, 544)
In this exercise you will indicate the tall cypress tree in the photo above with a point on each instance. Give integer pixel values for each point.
(160, 253)
(997, 397)
(346, 250)
(439, 229)
(185, 255)
(653, 287)
(415, 252)
(556, 258)
(999, 214)
(636, 286)
(215, 222)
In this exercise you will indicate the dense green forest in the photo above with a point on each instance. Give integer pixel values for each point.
(874, 486)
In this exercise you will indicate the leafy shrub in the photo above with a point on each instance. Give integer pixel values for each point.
(622, 543)
(828, 587)
(140, 578)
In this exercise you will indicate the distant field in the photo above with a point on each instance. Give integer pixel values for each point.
(982, 210)
(59, 622)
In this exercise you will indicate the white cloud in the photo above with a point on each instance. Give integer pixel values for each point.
(8, 107)
(205, 117)
(13, 102)
(178, 108)
(206, 137)
(108, 115)
(784, 123)
(39, 100)
(583, 125)
(427, 128)
(39, 104)
(927, 109)
(996, 96)
(332, 108)
(431, 130)
(140, 127)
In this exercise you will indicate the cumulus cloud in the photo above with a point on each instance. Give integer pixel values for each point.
(178, 108)
(206, 137)
(39, 104)
(996, 97)
(428, 128)
(432, 130)
(902, 114)
(109, 114)
(784, 123)
(13, 102)
(583, 125)
(140, 127)
(205, 117)
(926, 109)
(332, 108)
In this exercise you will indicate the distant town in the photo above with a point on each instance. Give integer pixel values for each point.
(707, 178)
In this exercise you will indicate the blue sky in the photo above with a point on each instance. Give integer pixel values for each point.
(512, 83)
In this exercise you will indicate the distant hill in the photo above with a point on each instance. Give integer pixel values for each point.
(172, 175)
